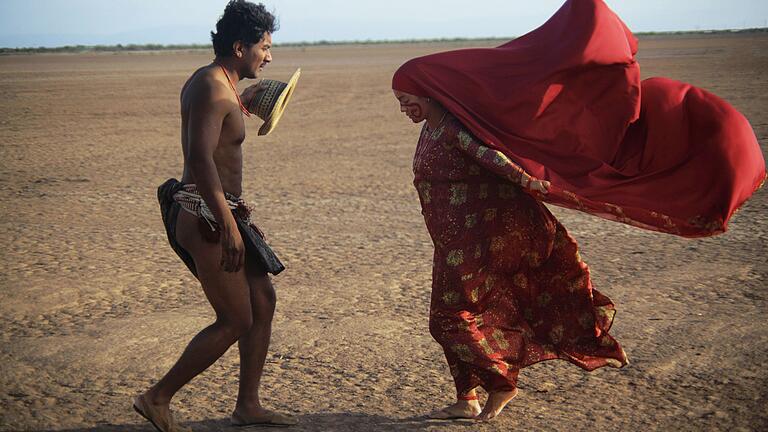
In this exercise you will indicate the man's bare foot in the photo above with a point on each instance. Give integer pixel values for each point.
(495, 403)
(463, 409)
(157, 414)
(261, 417)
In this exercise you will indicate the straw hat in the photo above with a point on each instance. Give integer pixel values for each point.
(270, 101)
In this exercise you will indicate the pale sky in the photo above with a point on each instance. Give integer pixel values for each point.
(50, 23)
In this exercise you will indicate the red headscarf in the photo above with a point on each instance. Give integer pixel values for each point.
(564, 102)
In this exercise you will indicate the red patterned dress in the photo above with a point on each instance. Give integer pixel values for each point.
(509, 288)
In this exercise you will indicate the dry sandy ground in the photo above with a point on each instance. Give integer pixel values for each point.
(95, 306)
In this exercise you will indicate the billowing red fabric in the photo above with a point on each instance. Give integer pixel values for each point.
(565, 102)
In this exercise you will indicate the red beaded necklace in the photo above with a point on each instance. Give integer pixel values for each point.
(234, 89)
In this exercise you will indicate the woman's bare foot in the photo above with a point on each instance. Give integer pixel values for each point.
(261, 417)
(463, 409)
(159, 414)
(495, 403)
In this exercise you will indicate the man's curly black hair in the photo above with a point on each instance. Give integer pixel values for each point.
(242, 21)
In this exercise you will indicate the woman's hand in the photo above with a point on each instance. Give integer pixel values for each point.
(534, 185)
(541, 186)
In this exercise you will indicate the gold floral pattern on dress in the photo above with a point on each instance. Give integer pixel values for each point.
(470, 220)
(605, 313)
(486, 346)
(669, 225)
(465, 140)
(447, 326)
(489, 214)
(520, 280)
(481, 151)
(450, 298)
(478, 251)
(618, 212)
(424, 191)
(575, 199)
(474, 295)
(500, 159)
(458, 193)
(516, 236)
(501, 341)
(490, 281)
(455, 257)
(463, 352)
(438, 132)
(497, 244)
(466, 277)
(464, 326)
(709, 225)
(549, 350)
(479, 320)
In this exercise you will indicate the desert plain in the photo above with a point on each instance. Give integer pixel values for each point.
(95, 306)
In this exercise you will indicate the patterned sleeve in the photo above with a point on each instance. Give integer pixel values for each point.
(490, 159)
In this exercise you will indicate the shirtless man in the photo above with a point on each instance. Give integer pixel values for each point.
(233, 276)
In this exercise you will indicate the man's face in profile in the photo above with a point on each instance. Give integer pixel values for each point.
(258, 56)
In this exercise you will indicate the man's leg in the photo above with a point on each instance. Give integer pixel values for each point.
(254, 344)
(230, 296)
(253, 352)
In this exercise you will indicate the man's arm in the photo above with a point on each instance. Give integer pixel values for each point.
(207, 110)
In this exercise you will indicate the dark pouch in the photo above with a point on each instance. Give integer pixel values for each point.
(256, 247)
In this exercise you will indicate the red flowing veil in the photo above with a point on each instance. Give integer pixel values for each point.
(566, 103)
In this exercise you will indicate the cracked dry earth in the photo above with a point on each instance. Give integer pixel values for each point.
(95, 306)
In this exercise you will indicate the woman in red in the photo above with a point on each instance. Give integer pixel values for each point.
(509, 289)
(555, 115)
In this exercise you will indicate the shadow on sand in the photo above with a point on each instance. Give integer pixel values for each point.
(307, 422)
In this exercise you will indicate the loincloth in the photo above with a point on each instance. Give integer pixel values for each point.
(174, 196)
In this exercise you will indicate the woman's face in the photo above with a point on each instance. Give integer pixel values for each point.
(415, 107)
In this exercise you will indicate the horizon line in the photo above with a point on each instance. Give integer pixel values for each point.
(195, 46)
